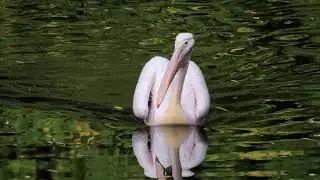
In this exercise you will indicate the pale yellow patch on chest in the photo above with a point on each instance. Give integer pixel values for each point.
(174, 115)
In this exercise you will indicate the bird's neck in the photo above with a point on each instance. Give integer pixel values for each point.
(174, 113)
(178, 85)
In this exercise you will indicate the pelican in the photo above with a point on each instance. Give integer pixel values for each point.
(172, 92)
(181, 147)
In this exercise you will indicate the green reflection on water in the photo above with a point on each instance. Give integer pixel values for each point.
(68, 71)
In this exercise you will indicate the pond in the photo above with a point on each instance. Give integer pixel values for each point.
(68, 70)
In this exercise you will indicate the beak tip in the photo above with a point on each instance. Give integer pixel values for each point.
(159, 101)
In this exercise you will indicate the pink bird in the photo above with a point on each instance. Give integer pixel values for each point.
(172, 92)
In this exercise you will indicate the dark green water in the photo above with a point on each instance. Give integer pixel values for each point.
(68, 70)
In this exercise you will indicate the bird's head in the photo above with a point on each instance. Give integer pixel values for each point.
(180, 57)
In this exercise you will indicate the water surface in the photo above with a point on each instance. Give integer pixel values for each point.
(68, 70)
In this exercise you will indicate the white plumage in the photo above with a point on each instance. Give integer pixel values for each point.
(177, 88)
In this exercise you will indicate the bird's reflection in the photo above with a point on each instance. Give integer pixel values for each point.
(179, 148)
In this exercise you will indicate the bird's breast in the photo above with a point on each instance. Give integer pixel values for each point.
(173, 110)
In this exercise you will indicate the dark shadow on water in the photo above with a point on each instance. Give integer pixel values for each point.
(44, 165)
(94, 110)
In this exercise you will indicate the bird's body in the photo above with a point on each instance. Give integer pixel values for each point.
(172, 92)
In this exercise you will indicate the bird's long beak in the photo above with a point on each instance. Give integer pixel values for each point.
(175, 163)
(176, 62)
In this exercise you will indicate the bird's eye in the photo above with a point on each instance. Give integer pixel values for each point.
(186, 42)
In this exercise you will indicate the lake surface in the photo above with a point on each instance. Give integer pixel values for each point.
(68, 70)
